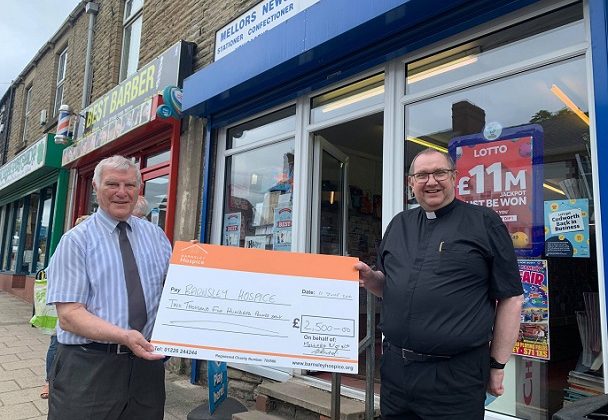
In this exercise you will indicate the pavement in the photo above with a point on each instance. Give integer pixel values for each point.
(22, 365)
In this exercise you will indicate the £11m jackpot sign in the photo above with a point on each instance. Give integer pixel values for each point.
(502, 169)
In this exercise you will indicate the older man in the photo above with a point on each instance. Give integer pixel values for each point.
(106, 279)
(452, 298)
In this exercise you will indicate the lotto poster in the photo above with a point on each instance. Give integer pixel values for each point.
(533, 339)
(567, 228)
(505, 175)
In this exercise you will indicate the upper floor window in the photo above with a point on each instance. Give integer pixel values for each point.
(26, 111)
(131, 38)
(61, 72)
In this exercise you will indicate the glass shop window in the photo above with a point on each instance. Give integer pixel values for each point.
(44, 229)
(15, 232)
(522, 146)
(259, 184)
(30, 230)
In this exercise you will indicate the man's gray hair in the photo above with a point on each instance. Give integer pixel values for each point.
(428, 151)
(141, 208)
(117, 162)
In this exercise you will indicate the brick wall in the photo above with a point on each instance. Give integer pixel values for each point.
(41, 75)
(164, 23)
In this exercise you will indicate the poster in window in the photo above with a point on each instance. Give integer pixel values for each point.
(258, 241)
(505, 174)
(533, 339)
(232, 229)
(281, 232)
(567, 228)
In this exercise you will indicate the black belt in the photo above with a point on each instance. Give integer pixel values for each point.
(412, 356)
(107, 348)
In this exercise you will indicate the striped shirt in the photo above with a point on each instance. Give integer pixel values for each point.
(87, 268)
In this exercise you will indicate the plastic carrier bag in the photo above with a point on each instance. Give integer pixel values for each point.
(45, 316)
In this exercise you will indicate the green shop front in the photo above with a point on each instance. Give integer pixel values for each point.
(33, 189)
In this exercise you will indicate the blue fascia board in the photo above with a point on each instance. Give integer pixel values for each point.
(332, 36)
(297, 38)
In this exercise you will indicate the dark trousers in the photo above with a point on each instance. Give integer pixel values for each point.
(453, 389)
(50, 355)
(90, 384)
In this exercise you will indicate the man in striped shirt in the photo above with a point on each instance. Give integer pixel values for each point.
(105, 368)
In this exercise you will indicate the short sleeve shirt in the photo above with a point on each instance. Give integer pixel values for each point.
(444, 272)
(87, 268)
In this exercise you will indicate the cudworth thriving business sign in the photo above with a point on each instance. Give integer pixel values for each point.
(257, 20)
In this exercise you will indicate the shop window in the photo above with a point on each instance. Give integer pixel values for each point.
(348, 99)
(61, 72)
(15, 235)
(29, 239)
(259, 183)
(263, 128)
(158, 158)
(91, 198)
(7, 238)
(26, 113)
(131, 38)
(257, 210)
(3, 228)
(44, 229)
(502, 49)
(522, 146)
(156, 191)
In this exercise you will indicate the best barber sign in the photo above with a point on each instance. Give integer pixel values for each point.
(505, 174)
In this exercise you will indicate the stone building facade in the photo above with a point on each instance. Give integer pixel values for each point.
(29, 113)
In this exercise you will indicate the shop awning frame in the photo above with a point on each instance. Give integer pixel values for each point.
(329, 41)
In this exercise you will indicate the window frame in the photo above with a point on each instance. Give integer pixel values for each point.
(129, 19)
(62, 64)
(26, 111)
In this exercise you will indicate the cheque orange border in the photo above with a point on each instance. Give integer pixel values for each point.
(263, 353)
(267, 262)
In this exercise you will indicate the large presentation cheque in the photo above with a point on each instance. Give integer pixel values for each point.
(260, 307)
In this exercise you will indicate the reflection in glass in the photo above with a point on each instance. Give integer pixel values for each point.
(529, 39)
(528, 98)
(92, 203)
(4, 210)
(30, 230)
(131, 46)
(45, 228)
(155, 192)
(346, 99)
(15, 235)
(267, 126)
(259, 183)
(158, 158)
(8, 238)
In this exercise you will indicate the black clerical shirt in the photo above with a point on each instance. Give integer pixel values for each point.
(444, 272)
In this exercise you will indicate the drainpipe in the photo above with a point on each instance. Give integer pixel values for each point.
(66, 179)
(91, 9)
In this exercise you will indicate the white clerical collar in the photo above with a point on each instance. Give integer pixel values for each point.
(430, 215)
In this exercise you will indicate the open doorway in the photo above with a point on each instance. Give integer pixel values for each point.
(347, 205)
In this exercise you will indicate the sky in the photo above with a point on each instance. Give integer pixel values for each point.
(25, 25)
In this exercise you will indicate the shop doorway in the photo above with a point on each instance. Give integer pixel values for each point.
(346, 210)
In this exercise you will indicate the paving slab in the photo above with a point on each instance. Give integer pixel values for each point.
(22, 369)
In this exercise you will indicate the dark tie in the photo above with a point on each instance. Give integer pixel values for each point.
(135, 294)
